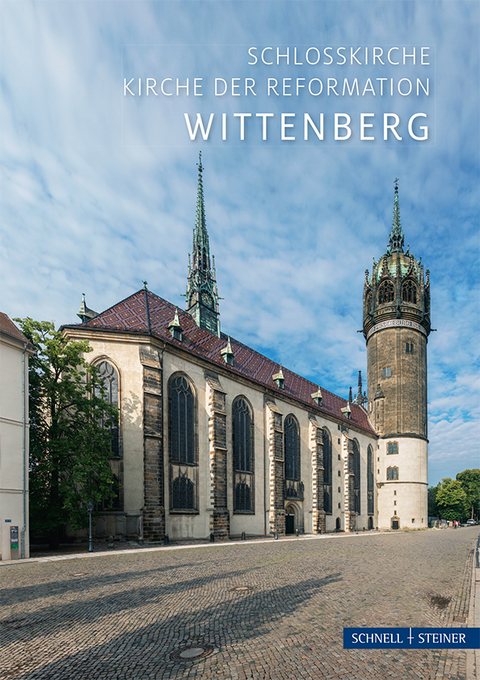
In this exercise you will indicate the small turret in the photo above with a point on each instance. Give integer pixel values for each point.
(85, 313)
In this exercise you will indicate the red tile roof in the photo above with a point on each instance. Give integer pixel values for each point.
(130, 316)
(7, 327)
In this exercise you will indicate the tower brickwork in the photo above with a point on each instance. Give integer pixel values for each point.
(396, 325)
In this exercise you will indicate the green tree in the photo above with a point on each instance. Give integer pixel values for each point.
(70, 432)
(470, 480)
(451, 500)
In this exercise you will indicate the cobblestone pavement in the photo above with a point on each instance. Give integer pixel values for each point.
(123, 616)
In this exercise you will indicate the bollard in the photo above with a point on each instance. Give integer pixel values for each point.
(212, 537)
(166, 540)
(297, 533)
(110, 542)
(244, 538)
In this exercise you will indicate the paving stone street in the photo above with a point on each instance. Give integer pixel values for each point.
(269, 610)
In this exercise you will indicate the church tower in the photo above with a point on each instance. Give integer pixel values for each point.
(396, 325)
(202, 295)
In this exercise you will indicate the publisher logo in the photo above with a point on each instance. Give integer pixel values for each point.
(413, 638)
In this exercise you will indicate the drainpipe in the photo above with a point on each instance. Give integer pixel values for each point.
(24, 484)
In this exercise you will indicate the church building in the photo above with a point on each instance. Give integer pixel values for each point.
(215, 438)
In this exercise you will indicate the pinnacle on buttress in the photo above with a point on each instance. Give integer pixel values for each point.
(397, 239)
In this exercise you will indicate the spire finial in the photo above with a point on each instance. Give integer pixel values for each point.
(397, 239)
(144, 285)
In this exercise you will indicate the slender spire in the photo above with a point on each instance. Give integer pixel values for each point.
(202, 295)
(397, 238)
(201, 248)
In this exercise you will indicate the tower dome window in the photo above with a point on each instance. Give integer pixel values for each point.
(409, 292)
(386, 292)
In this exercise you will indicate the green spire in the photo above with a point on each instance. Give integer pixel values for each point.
(202, 295)
(397, 239)
(201, 248)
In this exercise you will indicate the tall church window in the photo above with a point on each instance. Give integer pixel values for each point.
(409, 292)
(182, 444)
(109, 376)
(354, 464)
(327, 471)
(292, 448)
(243, 456)
(293, 487)
(370, 482)
(386, 292)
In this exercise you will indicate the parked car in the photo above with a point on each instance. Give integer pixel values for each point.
(470, 522)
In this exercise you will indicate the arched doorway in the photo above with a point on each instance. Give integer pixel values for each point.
(395, 523)
(338, 525)
(289, 520)
(370, 523)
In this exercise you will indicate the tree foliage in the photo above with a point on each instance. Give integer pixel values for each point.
(451, 500)
(470, 480)
(70, 426)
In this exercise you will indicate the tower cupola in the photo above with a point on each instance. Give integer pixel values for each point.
(397, 287)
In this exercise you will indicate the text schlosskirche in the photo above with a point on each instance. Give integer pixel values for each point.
(305, 82)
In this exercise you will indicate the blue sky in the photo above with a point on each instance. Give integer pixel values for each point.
(98, 190)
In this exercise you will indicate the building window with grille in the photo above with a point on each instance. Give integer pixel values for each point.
(386, 292)
(392, 448)
(182, 444)
(392, 473)
(243, 456)
(327, 471)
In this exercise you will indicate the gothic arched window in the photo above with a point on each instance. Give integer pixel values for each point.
(368, 302)
(109, 376)
(409, 292)
(370, 482)
(243, 455)
(354, 467)
(182, 421)
(292, 448)
(182, 444)
(327, 471)
(386, 292)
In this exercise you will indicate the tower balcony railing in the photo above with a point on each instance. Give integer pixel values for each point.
(293, 489)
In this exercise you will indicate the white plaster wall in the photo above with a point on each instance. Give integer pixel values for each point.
(11, 444)
(407, 496)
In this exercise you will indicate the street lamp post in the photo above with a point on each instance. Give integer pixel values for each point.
(89, 509)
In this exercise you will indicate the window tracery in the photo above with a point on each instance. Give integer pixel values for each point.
(243, 455)
(386, 292)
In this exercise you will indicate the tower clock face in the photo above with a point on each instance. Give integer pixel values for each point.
(207, 300)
